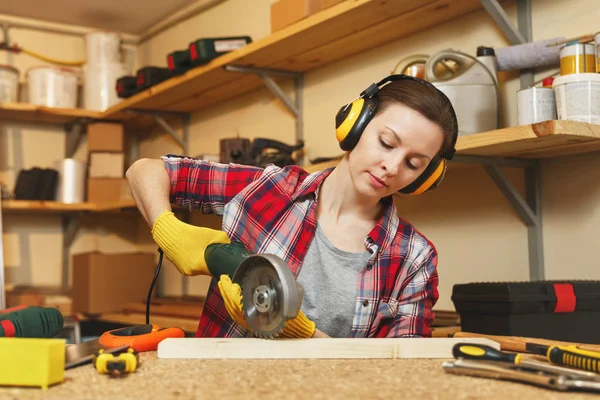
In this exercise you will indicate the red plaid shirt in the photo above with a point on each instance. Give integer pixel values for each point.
(273, 210)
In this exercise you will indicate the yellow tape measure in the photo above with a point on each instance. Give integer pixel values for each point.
(116, 364)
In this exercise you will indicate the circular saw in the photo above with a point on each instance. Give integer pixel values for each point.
(270, 294)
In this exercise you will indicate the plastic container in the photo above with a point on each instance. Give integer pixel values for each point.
(52, 86)
(71, 181)
(554, 310)
(9, 84)
(102, 48)
(578, 97)
(31, 362)
(471, 88)
(100, 85)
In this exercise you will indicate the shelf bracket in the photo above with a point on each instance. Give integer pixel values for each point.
(159, 118)
(70, 227)
(294, 107)
(528, 209)
(515, 36)
(74, 132)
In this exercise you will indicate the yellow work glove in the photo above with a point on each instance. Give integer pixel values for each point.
(299, 327)
(184, 244)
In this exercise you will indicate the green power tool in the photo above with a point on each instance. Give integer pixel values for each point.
(270, 294)
(30, 322)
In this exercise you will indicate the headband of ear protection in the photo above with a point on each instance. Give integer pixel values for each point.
(352, 119)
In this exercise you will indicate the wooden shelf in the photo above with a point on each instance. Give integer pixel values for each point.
(542, 140)
(28, 206)
(338, 32)
(24, 112)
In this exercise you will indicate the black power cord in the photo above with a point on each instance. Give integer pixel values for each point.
(160, 257)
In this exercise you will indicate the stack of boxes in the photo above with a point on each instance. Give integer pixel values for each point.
(106, 163)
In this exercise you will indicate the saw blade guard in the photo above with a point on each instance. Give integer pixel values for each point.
(271, 295)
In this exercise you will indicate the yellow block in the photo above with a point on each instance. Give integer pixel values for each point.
(31, 362)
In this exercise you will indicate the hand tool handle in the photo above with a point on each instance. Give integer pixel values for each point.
(574, 357)
(519, 343)
(476, 351)
(225, 258)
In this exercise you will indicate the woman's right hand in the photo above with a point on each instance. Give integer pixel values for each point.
(184, 244)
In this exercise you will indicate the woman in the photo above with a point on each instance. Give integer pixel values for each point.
(365, 271)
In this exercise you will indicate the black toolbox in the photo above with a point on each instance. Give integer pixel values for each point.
(555, 310)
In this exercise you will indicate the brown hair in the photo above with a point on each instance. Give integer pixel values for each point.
(424, 98)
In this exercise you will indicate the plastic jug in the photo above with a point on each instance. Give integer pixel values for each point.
(472, 88)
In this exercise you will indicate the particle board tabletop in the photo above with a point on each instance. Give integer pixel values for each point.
(168, 379)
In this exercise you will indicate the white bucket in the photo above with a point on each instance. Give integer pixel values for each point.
(9, 84)
(100, 85)
(102, 48)
(52, 86)
(578, 97)
(71, 181)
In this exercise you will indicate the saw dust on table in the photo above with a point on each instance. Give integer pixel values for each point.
(283, 379)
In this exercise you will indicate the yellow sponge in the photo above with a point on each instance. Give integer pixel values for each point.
(31, 362)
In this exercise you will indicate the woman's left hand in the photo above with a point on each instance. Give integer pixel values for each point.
(299, 327)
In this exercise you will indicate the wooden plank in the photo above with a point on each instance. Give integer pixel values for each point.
(43, 206)
(326, 27)
(545, 139)
(321, 166)
(400, 25)
(188, 325)
(323, 348)
(20, 206)
(192, 310)
(24, 112)
(113, 206)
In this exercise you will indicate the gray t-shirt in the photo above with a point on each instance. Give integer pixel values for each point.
(329, 277)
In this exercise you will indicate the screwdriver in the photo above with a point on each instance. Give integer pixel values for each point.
(570, 355)
(476, 351)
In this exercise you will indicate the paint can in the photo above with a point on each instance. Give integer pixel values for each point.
(9, 84)
(578, 97)
(535, 104)
(577, 58)
(597, 43)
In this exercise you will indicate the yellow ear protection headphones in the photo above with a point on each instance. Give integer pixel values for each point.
(352, 119)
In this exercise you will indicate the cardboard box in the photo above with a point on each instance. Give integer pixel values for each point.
(62, 303)
(24, 297)
(106, 282)
(105, 136)
(106, 165)
(287, 12)
(107, 190)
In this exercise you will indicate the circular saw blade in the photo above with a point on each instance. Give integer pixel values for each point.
(270, 293)
(262, 299)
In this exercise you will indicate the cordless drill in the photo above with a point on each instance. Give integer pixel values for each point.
(30, 322)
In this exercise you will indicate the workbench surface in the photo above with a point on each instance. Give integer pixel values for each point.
(283, 379)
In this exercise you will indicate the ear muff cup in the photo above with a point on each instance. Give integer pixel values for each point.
(429, 179)
(352, 119)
